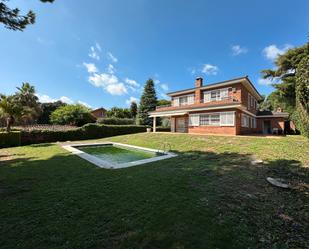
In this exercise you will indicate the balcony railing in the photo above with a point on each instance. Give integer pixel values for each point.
(211, 102)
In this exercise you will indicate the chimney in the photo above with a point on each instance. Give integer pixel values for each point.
(198, 82)
(197, 94)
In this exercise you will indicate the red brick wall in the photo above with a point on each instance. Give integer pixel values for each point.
(274, 122)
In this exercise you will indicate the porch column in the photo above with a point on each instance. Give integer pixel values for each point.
(154, 124)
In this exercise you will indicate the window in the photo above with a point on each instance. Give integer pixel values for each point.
(219, 119)
(194, 119)
(224, 94)
(183, 100)
(216, 95)
(204, 119)
(244, 120)
(254, 123)
(175, 101)
(210, 119)
(190, 99)
(227, 119)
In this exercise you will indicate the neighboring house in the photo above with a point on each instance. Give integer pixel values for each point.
(227, 107)
(98, 113)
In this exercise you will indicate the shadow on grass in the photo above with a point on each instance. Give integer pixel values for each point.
(196, 200)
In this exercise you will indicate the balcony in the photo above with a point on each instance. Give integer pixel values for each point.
(224, 101)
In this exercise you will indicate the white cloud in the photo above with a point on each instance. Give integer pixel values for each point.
(45, 98)
(108, 82)
(131, 99)
(265, 82)
(91, 68)
(131, 82)
(237, 50)
(94, 53)
(210, 69)
(66, 100)
(112, 57)
(156, 81)
(271, 52)
(97, 45)
(111, 69)
(164, 87)
(117, 89)
(83, 103)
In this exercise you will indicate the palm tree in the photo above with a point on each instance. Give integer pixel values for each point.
(27, 98)
(10, 110)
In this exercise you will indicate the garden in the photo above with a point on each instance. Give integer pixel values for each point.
(214, 195)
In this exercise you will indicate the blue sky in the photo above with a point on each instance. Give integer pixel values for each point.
(101, 52)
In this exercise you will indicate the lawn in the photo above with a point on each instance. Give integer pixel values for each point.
(210, 196)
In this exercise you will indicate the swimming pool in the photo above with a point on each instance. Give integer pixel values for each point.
(112, 155)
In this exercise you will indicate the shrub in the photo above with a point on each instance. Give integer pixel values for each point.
(116, 121)
(162, 128)
(71, 115)
(9, 139)
(88, 131)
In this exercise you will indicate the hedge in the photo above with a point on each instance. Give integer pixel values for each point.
(116, 121)
(88, 131)
(10, 139)
(164, 129)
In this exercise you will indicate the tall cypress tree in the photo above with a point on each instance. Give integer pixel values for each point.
(148, 103)
(133, 109)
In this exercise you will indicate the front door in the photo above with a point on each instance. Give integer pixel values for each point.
(266, 127)
(181, 125)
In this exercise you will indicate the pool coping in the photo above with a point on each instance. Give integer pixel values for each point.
(108, 165)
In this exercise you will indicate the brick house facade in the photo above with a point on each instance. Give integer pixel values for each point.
(98, 113)
(227, 107)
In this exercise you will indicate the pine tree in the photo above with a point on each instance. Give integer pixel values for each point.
(133, 109)
(12, 19)
(148, 103)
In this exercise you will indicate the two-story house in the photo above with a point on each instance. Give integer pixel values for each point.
(227, 107)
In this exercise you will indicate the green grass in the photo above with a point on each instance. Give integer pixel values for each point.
(210, 196)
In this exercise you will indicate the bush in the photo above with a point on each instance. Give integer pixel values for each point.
(88, 131)
(71, 115)
(10, 139)
(116, 121)
(165, 129)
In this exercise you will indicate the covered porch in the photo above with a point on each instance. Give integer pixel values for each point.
(178, 121)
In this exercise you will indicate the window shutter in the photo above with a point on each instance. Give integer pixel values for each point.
(190, 99)
(194, 120)
(206, 97)
(227, 119)
(224, 94)
(176, 101)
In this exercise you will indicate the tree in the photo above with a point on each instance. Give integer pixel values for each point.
(148, 103)
(302, 96)
(117, 112)
(71, 115)
(27, 98)
(10, 109)
(285, 72)
(12, 19)
(163, 102)
(47, 109)
(133, 109)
